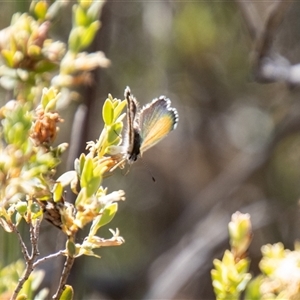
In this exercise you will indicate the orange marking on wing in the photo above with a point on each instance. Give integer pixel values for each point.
(158, 131)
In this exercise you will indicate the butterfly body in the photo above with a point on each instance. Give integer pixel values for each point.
(135, 150)
(147, 127)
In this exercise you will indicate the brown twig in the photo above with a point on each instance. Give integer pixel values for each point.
(43, 259)
(66, 272)
(29, 259)
(64, 276)
(23, 246)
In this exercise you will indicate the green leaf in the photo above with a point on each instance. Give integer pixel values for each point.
(35, 208)
(8, 57)
(106, 216)
(95, 9)
(119, 108)
(93, 185)
(45, 66)
(114, 134)
(82, 160)
(81, 198)
(21, 207)
(40, 9)
(22, 296)
(26, 290)
(89, 35)
(34, 51)
(87, 172)
(108, 112)
(253, 289)
(67, 294)
(80, 15)
(18, 219)
(45, 97)
(71, 248)
(75, 38)
(57, 191)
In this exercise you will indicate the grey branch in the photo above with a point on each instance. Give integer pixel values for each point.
(268, 65)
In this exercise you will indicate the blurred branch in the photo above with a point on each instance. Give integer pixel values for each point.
(252, 21)
(77, 135)
(43, 259)
(265, 41)
(269, 66)
(237, 172)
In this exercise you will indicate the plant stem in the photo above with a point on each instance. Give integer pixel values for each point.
(29, 259)
(43, 259)
(64, 276)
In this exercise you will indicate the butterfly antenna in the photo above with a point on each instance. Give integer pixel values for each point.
(153, 178)
(127, 170)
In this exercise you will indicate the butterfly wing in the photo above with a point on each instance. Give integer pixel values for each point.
(132, 140)
(156, 120)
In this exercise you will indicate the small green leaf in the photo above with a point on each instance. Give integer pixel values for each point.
(26, 290)
(18, 219)
(75, 38)
(67, 294)
(45, 97)
(95, 9)
(117, 111)
(81, 198)
(22, 296)
(108, 112)
(57, 192)
(87, 172)
(82, 159)
(93, 185)
(81, 18)
(85, 3)
(114, 136)
(106, 216)
(45, 66)
(7, 55)
(60, 149)
(40, 9)
(71, 248)
(35, 208)
(253, 289)
(21, 207)
(89, 35)
(34, 51)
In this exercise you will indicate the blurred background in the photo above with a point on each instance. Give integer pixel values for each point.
(236, 147)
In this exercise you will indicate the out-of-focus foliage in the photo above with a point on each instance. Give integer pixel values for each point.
(279, 267)
(30, 155)
(236, 146)
(231, 275)
(9, 279)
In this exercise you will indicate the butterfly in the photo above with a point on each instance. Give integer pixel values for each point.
(146, 127)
